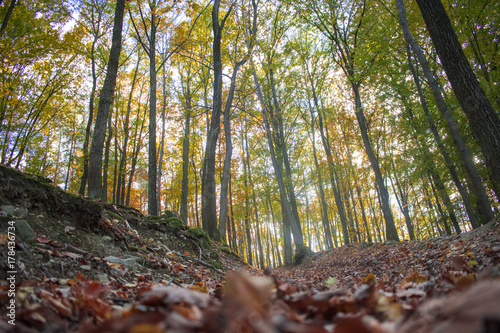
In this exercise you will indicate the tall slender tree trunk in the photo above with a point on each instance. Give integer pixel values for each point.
(105, 101)
(391, 231)
(152, 162)
(288, 215)
(136, 148)
(403, 205)
(331, 168)
(324, 207)
(208, 195)
(254, 201)
(7, 16)
(449, 162)
(162, 142)
(483, 119)
(185, 159)
(365, 221)
(105, 167)
(120, 188)
(247, 212)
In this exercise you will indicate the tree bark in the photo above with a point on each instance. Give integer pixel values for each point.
(324, 207)
(105, 101)
(7, 16)
(391, 232)
(208, 195)
(483, 120)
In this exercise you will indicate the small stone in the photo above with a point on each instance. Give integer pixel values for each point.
(21, 212)
(106, 238)
(102, 277)
(86, 267)
(8, 210)
(24, 230)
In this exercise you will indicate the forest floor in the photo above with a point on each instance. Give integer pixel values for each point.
(85, 266)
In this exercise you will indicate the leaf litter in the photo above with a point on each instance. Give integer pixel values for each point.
(446, 284)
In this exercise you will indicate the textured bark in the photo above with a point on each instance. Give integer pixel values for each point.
(391, 231)
(324, 207)
(7, 16)
(208, 195)
(105, 101)
(152, 169)
(96, 35)
(483, 120)
(107, 149)
(227, 126)
(185, 159)
(449, 162)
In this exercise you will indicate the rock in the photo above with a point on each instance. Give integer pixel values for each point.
(102, 277)
(106, 238)
(86, 267)
(8, 210)
(21, 212)
(24, 231)
(129, 263)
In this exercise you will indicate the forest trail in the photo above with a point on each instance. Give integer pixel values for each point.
(125, 272)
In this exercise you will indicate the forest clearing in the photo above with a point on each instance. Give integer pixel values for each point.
(249, 165)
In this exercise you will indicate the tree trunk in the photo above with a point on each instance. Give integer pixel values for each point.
(391, 231)
(208, 195)
(324, 207)
(477, 118)
(288, 215)
(106, 159)
(442, 149)
(136, 148)
(152, 162)
(120, 188)
(185, 159)
(105, 101)
(7, 16)
(331, 167)
(483, 120)
(226, 171)
(162, 143)
(365, 221)
(254, 200)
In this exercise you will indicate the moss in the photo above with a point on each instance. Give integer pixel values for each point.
(217, 265)
(201, 235)
(114, 216)
(175, 222)
(301, 252)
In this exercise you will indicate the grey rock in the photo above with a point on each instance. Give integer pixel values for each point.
(21, 212)
(129, 263)
(24, 231)
(102, 277)
(8, 210)
(86, 267)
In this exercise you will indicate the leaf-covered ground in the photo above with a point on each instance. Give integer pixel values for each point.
(133, 274)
